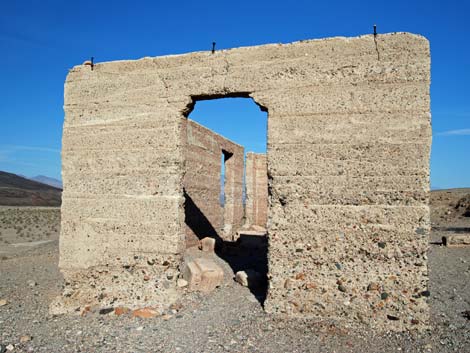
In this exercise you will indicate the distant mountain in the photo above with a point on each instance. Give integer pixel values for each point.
(18, 191)
(47, 180)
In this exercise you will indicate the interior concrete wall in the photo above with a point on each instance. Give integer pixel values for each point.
(204, 215)
(256, 181)
(349, 138)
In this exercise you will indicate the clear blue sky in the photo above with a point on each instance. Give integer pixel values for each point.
(40, 40)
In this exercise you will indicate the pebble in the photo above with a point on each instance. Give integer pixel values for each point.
(384, 295)
(342, 288)
(25, 338)
(140, 328)
(181, 283)
(3, 302)
(10, 347)
(32, 283)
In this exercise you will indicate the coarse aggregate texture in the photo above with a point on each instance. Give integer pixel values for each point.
(349, 138)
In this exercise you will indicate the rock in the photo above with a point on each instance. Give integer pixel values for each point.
(121, 310)
(203, 275)
(248, 278)
(24, 339)
(3, 302)
(342, 288)
(87, 62)
(392, 317)
(426, 293)
(10, 347)
(181, 283)
(146, 277)
(384, 295)
(373, 286)
(167, 317)
(3, 348)
(140, 328)
(145, 313)
(207, 244)
(456, 240)
(381, 244)
(32, 283)
(105, 311)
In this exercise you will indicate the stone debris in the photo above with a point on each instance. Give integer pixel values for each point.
(203, 275)
(32, 283)
(3, 302)
(249, 278)
(181, 283)
(25, 338)
(145, 313)
(121, 310)
(456, 240)
(10, 347)
(208, 244)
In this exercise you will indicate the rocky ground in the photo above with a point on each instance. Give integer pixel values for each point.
(231, 319)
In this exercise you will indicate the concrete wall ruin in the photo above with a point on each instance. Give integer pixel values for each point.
(348, 158)
(256, 179)
(204, 214)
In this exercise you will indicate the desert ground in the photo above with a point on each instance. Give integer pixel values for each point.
(231, 319)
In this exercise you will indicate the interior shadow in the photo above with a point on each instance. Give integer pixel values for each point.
(249, 252)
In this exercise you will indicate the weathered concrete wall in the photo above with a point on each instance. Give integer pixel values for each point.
(348, 159)
(204, 215)
(256, 179)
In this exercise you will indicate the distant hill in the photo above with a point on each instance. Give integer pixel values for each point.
(47, 180)
(18, 191)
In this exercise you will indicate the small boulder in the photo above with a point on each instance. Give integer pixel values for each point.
(145, 313)
(181, 283)
(208, 244)
(203, 275)
(248, 278)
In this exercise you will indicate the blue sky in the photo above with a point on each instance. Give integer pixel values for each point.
(40, 40)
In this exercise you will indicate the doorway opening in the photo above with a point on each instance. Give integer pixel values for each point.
(226, 138)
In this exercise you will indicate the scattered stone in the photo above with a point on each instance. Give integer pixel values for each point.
(381, 244)
(207, 244)
(203, 275)
(426, 293)
(10, 347)
(32, 283)
(176, 306)
(3, 302)
(146, 277)
(25, 338)
(414, 321)
(167, 317)
(456, 240)
(140, 328)
(338, 266)
(392, 318)
(373, 286)
(384, 295)
(166, 263)
(342, 288)
(248, 278)
(181, 283)
(105, 311)
(120, 310)
(145, 313)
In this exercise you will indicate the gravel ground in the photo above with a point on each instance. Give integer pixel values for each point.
(231, 319)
